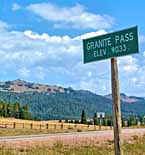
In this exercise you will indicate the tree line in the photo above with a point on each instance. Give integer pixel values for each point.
(15, 110)
(130, 120)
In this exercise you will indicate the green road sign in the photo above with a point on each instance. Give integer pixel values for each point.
(110, 45)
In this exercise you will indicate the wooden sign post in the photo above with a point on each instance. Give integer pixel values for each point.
(116, 107)
(106, 46)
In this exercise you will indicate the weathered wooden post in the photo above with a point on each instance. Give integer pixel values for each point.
(31, 126)
(54, 126)
(40, 127)
(47, 126)
(14, 125)
(61, 126)
(116, 107)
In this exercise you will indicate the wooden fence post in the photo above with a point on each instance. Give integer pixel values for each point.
(31, 126)
(40, 127)
(54, 126)
(47, 126)
(14, 125)
(62, 126)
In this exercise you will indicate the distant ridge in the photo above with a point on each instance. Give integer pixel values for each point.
(20, 86)
(54, 102)
(125, 98)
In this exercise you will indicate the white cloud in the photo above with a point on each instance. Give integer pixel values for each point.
(96, 85)
(88, 85)
(127, 60)
(91, 34)
(132, 75)
(46, 37)
(89, 74)
(144, 53)
(138, 81)
(40, 72)
(134, 80)
(142, 39)
(129, 64)
(46, 57)
(24, 72)
(59, 59)
(76, 16)
(16, 7)
(3, 25)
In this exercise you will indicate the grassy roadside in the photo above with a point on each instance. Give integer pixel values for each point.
(136, 146)
(20, 132)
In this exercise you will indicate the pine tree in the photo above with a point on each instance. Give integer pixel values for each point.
(26, 112)
(132, 120)
(95, 119)
(4, 110)
(10, 110)
(1, 108)
(83, 117)
(16, 110)
(21, 113)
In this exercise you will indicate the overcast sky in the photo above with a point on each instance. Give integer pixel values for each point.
(41, 41)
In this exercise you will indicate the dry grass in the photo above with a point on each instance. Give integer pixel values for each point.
(22, 127)
(18, 132)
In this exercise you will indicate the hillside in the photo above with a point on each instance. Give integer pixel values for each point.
(20, 86)
(125, 98)
(60, 105)
(68, 104)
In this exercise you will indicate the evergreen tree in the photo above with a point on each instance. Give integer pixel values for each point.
(1, 108)
(83, 117)
(16, 110)
(132, 120)
(95, 119)
(4, 109)
(26, 114)
(141, 119)
(9, 110)
(21, 113)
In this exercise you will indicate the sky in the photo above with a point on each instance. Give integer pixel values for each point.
(41, 42)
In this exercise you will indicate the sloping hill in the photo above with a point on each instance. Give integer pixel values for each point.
(70, 103)
(125, 98)
(60, 105)
(20, 86)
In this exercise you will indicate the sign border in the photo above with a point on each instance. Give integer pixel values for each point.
(109, 34)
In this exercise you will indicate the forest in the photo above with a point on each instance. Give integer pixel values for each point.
(68, 105)
(15, 110)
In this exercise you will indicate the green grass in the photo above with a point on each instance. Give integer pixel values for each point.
(134, 147)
